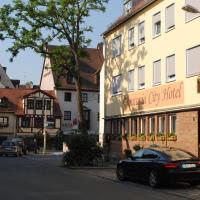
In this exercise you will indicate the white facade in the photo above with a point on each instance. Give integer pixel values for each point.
(67, 126)
(92, 105)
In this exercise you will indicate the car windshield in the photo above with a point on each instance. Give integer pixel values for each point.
(175, 154)
(8, 144)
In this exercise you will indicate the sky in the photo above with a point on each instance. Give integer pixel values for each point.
(27, 66)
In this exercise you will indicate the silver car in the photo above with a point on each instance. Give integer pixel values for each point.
(10, 148)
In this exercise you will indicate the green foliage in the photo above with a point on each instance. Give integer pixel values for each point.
(137, 147)
(84, 149)
(37, 23)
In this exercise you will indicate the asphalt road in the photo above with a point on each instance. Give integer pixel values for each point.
(43, 178)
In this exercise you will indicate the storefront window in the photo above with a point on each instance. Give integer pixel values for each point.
(161, 121)
(133, 126)
(172, 123)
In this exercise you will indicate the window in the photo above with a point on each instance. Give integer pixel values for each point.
(48, 104)
(84, 97)
(39, 104)
(131, 42)
(67, 115)
(70, 79)
(189, 15)
(152, 125)
(149, 154)
(131, 80)
(142, 125)
(133, 126)
(169, 17)
(141, 77)
(116, 47)
(170, 68)
(157, 72)
(172, 123)
(193, 64)
(30, 104)
(126, 126)
(161, 122)
(127, 6)
(38, 122)
(3, 121)
(4, 102)
(25, 123)
(116, 84)
(68, 96)
(141, 32)
(50, 122)
(119, 127)
(156, 25)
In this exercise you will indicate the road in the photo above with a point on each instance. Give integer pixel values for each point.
(43, 178)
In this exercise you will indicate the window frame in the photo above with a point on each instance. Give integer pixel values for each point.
(154, 25)
(132, 44)
(67, 96)
(193, 74)
(30, 106)
(119, 51)
(84, 97)
(140, 41)
(133, 76)
(38, 122)
(119, 91)
(158, 83)
(152, 118)
(167, 29)
(38, 106)
(67, 115)
(173, 78)
(141, 87)
(161, 130)
(5, 121)
(171, 123)
(27, 121)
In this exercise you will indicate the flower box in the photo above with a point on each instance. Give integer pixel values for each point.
(133, 137)
(160, 138)
(172, 138)
(142, 137)
(151, 137)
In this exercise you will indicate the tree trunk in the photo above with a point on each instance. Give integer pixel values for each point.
(82, 125)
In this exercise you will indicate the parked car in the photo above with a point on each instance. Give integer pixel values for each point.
(9, 147)
(160, 165)
(22, 143)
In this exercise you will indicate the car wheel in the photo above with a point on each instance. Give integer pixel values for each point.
(154, 179)
(120, 174)
(194, 183)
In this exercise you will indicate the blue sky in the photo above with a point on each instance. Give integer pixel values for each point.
(28, 65)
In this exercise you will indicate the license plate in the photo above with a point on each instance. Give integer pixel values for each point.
(188, 166)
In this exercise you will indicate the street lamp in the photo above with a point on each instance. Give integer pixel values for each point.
(191, 9)
(44, 129)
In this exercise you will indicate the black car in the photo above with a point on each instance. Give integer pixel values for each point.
(159, 166)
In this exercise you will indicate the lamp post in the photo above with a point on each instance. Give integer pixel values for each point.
(191, 9)
(44, 129)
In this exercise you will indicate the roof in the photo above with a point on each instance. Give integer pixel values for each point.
(89, 68)
(138, 6)
(15, 100)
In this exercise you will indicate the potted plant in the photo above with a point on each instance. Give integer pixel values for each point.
(151, 136)
(133, 137)
(142, 136)
(160, 136)
(172, 136)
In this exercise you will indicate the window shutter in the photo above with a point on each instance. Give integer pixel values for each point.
(193, 65)
(141, 75)
(170, 17)
(194, 3)
(156, 18)
(131, 37)
(170, 66)
(157, 72)
(131, 80)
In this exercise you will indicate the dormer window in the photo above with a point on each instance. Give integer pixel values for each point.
(127, 6)
(3, 102)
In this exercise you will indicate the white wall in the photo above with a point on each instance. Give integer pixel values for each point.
(92, 104)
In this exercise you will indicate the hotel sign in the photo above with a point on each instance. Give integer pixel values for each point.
(161, 96)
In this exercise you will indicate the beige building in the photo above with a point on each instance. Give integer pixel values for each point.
(152, 90)
(28, 113)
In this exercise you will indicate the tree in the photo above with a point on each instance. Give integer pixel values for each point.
(36, 23)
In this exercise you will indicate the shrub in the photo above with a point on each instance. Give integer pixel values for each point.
(84, 149)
